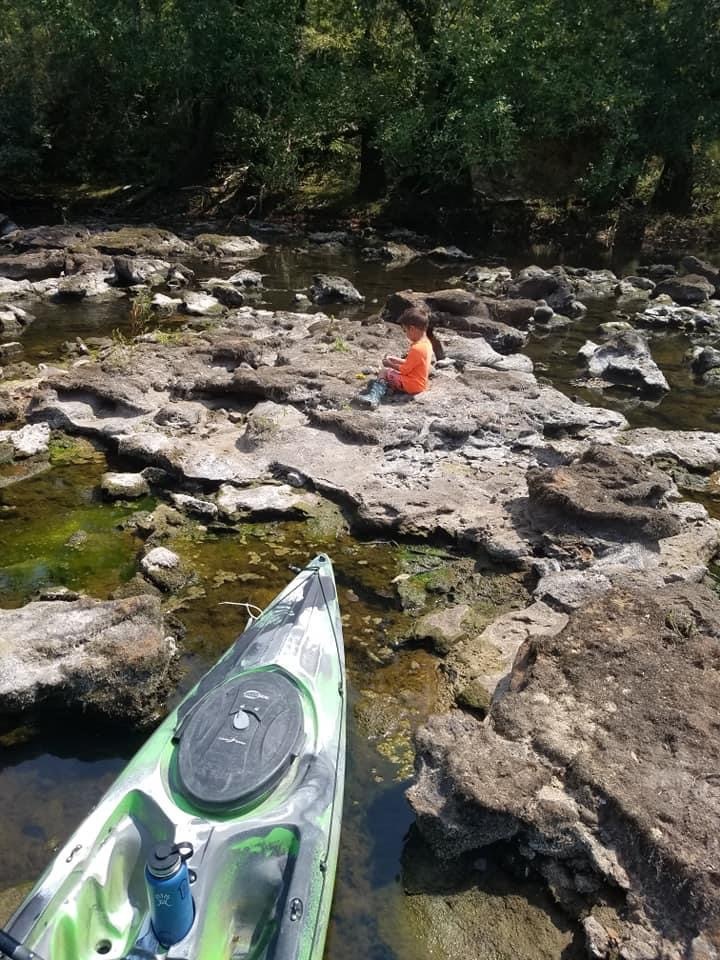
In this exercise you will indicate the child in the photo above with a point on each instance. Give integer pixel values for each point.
(411, 374)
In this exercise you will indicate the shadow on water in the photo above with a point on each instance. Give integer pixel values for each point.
(48, 783)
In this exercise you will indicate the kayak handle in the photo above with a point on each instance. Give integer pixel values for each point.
(14, 949)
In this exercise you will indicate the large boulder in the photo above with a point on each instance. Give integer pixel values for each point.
(464, 310)
(110, 659)
(327, 289)
(125, 486)
(141, 270)
(597, 768)
(701, 268)
(686, 290)
(625, 360)
(13, 319)
(219, 246)
(165, 569)
(32, 440)
(534, 283)
(607, 492)
(136, 242)
(56, 237)
(33, 265)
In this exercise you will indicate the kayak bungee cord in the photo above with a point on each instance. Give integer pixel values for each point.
(10, 947)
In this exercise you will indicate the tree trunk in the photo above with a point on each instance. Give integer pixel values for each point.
(673, 193)
(372, 180)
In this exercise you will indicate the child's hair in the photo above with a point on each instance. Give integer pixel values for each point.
(414, 317)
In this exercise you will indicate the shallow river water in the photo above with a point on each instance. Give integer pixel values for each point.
(391, 903)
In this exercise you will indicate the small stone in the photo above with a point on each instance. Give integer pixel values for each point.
(126, 486)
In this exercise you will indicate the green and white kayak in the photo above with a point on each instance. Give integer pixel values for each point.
(245, 778)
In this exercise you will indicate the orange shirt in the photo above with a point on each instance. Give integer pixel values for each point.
(415, 368)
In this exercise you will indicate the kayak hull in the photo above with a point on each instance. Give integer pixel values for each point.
(249, 770)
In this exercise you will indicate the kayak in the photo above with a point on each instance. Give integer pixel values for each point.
(220, 838)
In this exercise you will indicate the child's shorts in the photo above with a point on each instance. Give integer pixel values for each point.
(394, 379)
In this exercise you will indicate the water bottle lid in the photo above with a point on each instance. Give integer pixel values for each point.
(167, 858)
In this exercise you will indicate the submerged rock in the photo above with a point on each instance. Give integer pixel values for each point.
(110, 659)
(165, 569)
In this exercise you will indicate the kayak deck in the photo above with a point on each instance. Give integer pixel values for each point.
(249, 770)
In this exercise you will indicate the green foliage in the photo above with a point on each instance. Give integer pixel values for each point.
(433, 93)
(141, 312)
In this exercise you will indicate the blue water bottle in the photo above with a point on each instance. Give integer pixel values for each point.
(168, 883)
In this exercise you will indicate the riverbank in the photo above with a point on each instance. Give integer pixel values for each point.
(515, 226)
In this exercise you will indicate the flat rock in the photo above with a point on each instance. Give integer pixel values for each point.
(78, 286)
(262, 502)
(136, 242)
(443, 628)
(196, 506)
(694, 449)
(229, 247)
(485, 660)
(110, 659)
(469, 352)
(566, 590)
(33, 265)
(54, 237)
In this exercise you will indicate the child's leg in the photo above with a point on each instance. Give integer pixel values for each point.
(393, 379)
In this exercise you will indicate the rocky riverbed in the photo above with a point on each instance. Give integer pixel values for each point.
(576, 643)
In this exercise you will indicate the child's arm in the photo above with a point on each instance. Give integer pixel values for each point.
(392, 362)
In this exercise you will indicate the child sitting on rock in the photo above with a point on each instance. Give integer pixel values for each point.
(408, 375)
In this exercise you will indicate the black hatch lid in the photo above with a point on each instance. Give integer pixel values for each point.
(239, 740)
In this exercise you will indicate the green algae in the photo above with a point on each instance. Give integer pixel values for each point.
(11, 899)
(56, 530)
(64, 449)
